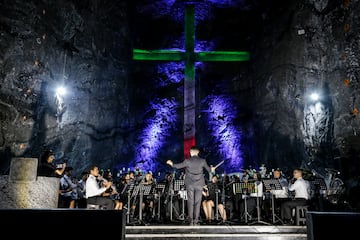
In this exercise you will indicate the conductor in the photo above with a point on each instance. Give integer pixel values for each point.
(194, 181)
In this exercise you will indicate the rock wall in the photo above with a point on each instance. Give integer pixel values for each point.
(22, 189)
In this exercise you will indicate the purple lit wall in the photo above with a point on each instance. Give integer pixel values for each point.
(162, 123)
(221, 114)
(157, 129)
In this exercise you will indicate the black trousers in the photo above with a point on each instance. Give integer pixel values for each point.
(106, 202)
(287, 206)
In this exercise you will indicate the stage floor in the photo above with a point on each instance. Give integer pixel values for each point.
(222, 232)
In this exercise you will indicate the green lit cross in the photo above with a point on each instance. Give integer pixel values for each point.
(190, 57)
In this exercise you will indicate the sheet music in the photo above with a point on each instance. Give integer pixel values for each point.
(274, 186)
(179, 185)
(244, 187)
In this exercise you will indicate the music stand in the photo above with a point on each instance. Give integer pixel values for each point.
(179, 186)
(133, 195)
(129, 189)
(258, 211)
(144, 191)
(319, 183)
(159, 190)
(270, 185)
(170, 192)
(244, 188)
(214, 188)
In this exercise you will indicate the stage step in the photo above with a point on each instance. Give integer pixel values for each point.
(253, 232)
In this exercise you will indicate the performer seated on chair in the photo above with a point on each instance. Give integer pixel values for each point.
(148, 200)
(68, 190)
(279, 196)
(301, 187)
(210, 198)
(94, 191)
(111, 192)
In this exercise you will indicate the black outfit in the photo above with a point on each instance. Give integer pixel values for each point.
(213, 188)
(47, 170)
(194, 183)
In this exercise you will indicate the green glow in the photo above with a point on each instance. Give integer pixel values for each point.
(164, 55)
(189, 56)
(222, 56)
(178, 55)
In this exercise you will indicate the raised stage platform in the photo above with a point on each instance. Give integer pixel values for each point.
(159, 232)
(319, 226)
(90, 223)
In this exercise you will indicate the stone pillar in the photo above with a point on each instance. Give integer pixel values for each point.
(24, 189)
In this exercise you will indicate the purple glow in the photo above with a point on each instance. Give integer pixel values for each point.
(221, 116)
(172, 72)
(158, 127)
(176, 9)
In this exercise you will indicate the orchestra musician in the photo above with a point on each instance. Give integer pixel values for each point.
(228, 196)
(148, 200)
(276, 195)
(283, 193)
(211, 196)
(111, 192)
(301, 189)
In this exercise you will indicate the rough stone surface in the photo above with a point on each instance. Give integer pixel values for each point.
(41, 194)
(24, 189)
(296, 47)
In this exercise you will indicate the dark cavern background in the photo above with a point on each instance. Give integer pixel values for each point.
(122, 113)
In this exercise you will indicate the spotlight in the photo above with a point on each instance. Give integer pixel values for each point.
(314, 96)
(61, 91)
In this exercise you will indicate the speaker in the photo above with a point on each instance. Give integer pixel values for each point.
(332, 225)
(64, 223)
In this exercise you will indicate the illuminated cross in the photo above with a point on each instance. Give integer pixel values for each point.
(190, 57)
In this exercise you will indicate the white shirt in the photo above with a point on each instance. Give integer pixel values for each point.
(92, 187)
(301, 188)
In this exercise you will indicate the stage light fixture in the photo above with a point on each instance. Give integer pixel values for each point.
(314, 96)
(61, 91)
